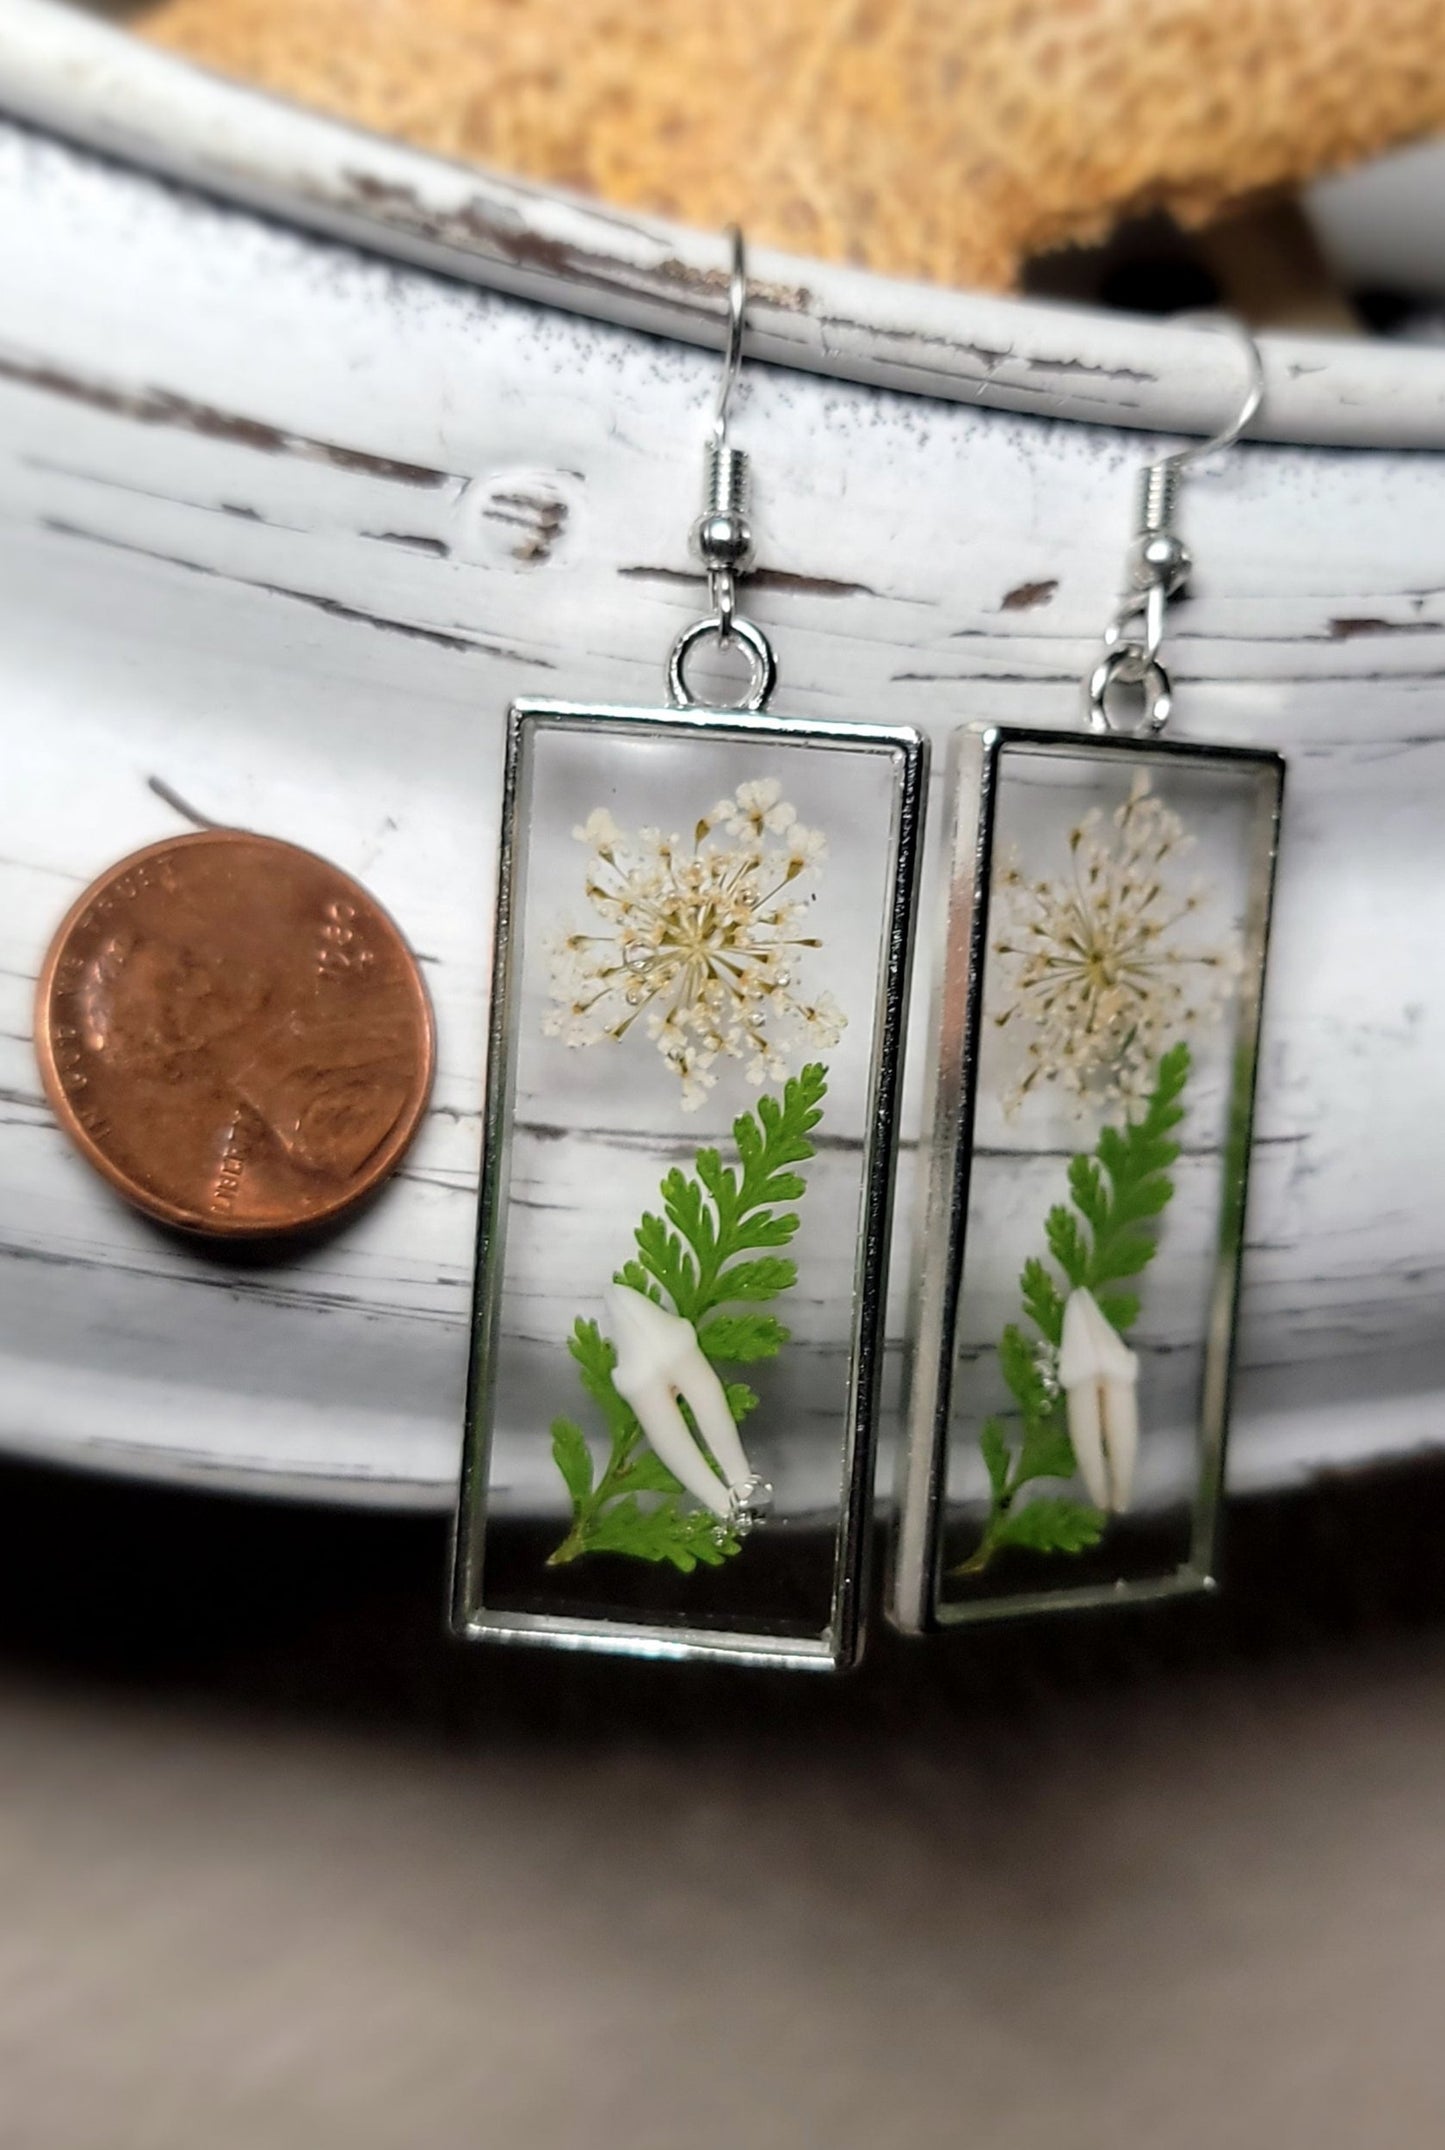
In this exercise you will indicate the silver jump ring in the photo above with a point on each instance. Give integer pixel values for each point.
(1144, 610)
(762, 664)
(722, 589)
(1129, 664)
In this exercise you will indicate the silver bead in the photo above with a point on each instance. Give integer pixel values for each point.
(723, 538)
(1160, 560)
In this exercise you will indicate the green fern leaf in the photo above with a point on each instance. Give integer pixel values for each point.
(663, 1533)
(994, 1443)
(596, 1356)
(645, 1472)
(661, 1254)
(1087, 1188)
(720, 1181)
(1046, 1452)
(1123, 1254)
(1109, 1237)
(742, 1338)
(1020, 1370)
(762, 1279)
(570, 1452)
(689, 1208)
(636, 1278)
(1067, 1244)
(1120, 1309)
(1043, 1301)
(709, 1250)
(763, 1229)
(1051, 1525)
(1136, 1159)
(741, 1399)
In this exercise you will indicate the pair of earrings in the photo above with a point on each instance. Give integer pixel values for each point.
(704, 935)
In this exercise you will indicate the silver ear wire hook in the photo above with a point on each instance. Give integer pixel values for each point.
(1227, 325)
(722, 537)
(1160, 561)
(733, 347)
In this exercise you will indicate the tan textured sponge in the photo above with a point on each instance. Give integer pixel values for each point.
(949, 139)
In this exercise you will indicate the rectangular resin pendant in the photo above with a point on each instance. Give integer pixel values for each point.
(704, 928)
(1095, 1041)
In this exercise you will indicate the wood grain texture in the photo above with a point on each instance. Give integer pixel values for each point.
(286, 527)
(98, 85)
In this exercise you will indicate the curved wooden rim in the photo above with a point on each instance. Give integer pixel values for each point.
(103, 87)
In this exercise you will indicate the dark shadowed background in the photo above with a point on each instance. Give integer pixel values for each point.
(282, 1866)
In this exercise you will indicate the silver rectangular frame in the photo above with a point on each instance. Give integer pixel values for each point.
(915, 1603)
(838, 1646)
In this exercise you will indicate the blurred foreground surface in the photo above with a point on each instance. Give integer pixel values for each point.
(281, 1866)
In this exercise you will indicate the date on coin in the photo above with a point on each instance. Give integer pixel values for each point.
(235, 1034)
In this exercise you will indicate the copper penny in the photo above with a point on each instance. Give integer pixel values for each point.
(234, 1032)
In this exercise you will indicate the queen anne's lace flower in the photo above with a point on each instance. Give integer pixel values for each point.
(1095, 966)
(699, 941)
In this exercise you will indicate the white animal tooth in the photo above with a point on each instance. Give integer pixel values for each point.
(1122, 1432)
(1086, 1433)
(1099, 1375)
(658, 1360)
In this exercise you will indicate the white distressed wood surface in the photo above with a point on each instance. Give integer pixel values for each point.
(104, 88)
(287, 526)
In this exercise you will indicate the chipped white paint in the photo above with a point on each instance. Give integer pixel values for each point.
(106, 89)
(286, 527)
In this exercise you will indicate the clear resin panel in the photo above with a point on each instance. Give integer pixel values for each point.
(1096, 1039)
(705, 920)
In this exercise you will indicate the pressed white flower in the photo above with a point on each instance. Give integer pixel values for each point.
(760, 808)
(699, 939)
(599, 828)
(1098, 967)
(823, 1020)
(807, 847)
